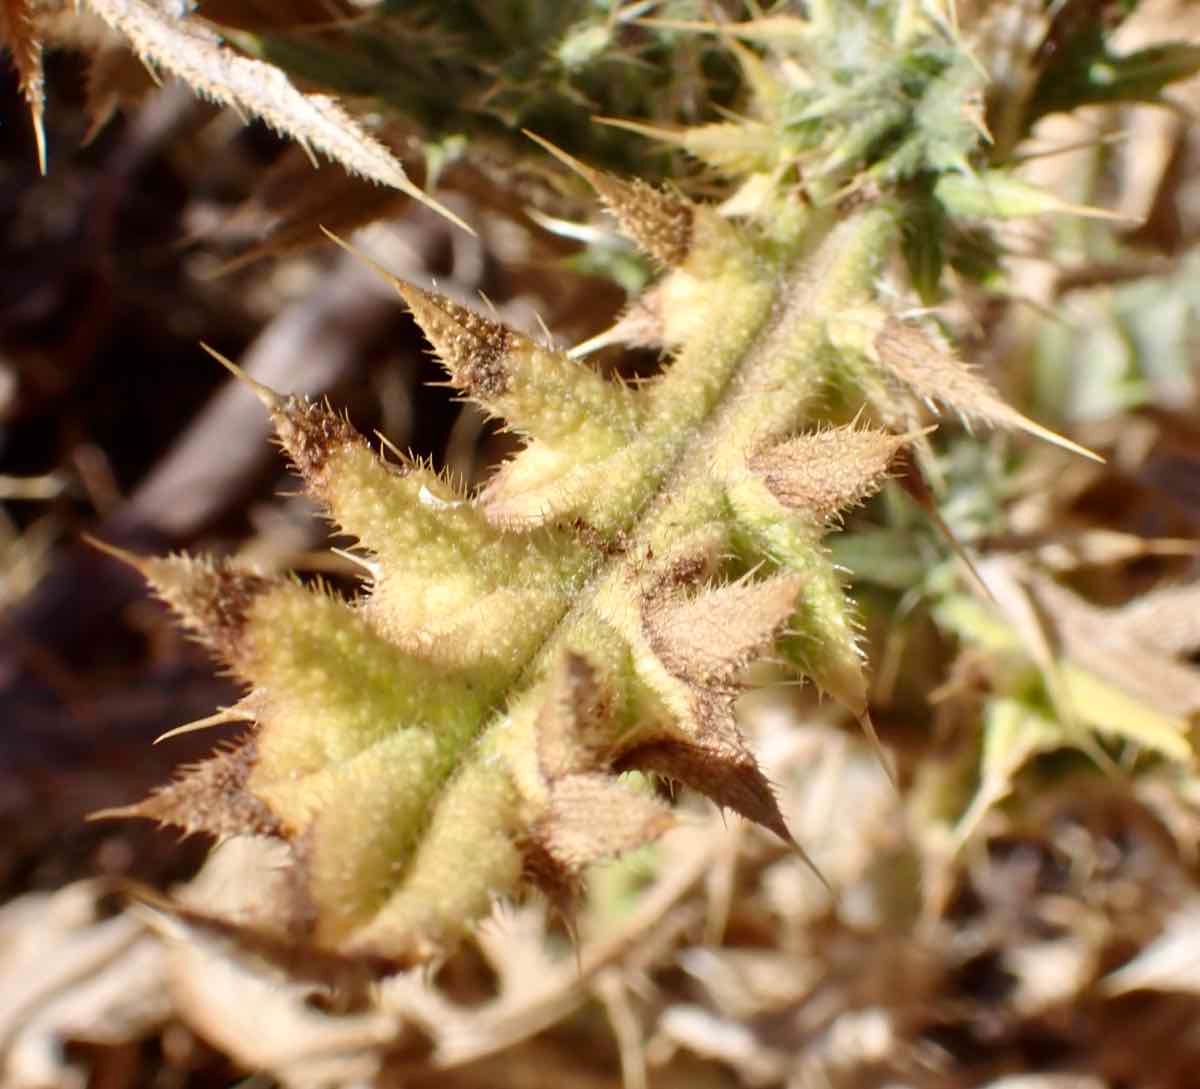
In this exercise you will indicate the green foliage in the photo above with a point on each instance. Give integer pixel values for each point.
(488, 70)
(1082, 70)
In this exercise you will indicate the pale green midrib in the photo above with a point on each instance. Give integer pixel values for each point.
(844, 259)
(806, 293)
(763, 399)
(867, 232)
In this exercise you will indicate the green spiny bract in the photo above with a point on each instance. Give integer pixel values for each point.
(461, 731)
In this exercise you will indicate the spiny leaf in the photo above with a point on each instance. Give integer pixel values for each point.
(660, 223)
(212, 598)
(190, 50)
(538, 391)
(457, 731)
(719, 767)
(709, 637)
(824, 472)
(211, 797)
(925, 365)
(996, 194)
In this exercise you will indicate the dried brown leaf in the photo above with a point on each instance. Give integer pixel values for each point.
(594, 817)
(1168, 620)
(1090, 637)
(1169, 963)
(707, 639)
(1070, 549)
(300, 1044)
(931, 372)
(723, 1040)
(69, 974)
(292, 203)
(828, 471)
(267, 949)
(720, 767)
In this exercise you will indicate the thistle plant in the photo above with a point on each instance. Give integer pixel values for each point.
(466, 729)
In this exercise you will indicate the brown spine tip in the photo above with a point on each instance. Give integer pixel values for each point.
(311, 433)
(471, 347)
(214, 599)
(659, 222)
(223, 605)
(209, 797)
(725, 773)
